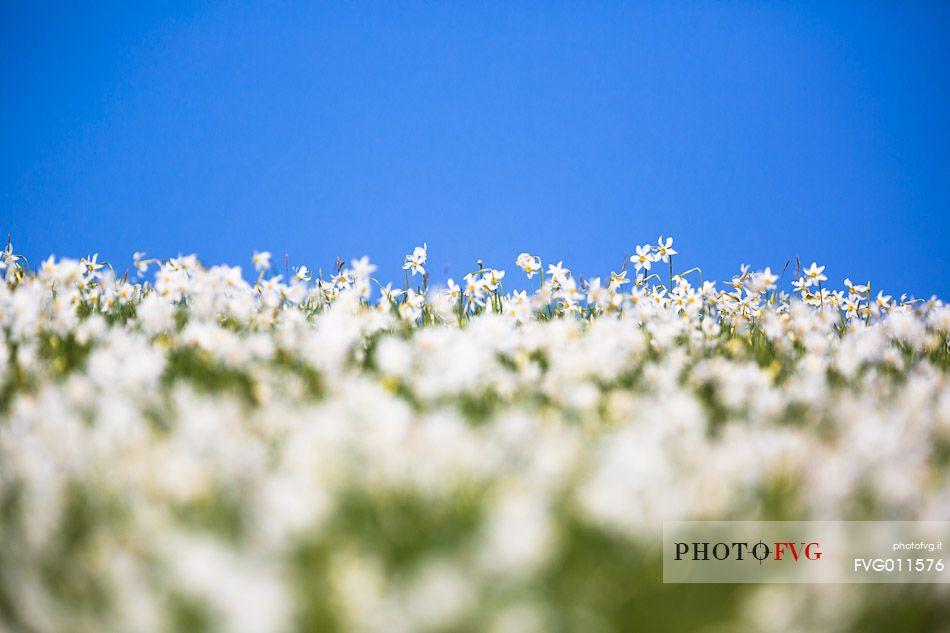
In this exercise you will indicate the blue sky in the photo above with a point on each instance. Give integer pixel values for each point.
(752, 133)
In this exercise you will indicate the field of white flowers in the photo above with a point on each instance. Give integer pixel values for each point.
(182, 449)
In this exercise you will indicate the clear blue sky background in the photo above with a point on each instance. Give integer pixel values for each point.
(750, 132)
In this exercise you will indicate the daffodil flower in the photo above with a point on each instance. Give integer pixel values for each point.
(530, 264)
(91, 264)
(664, 249)
(618, 279)
(362, 268)
(644, 257)
(453, 289)
(389, 293)
(815, 273)
(767, 279)
(8, 260)
(801, 284)
(883, 300)
(558, 273)
(342, 279)
(261, 260)
(303, 274)
(493, 278)
(416, 261)
(854, 288)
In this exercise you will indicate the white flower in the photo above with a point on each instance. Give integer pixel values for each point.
(493, 278)
(8, 260)
(644, 257)
(814, 273)
(140, 264)
(362, 268)
(261, 260)
(618, 279)
(854, 288)
(558, 273)
(453, 290)
(664, 249)
(390, 294)
(303, 274)
(416, 261)
(92, 265)
(530, 264)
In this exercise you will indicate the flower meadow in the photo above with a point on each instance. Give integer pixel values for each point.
(192, 448)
